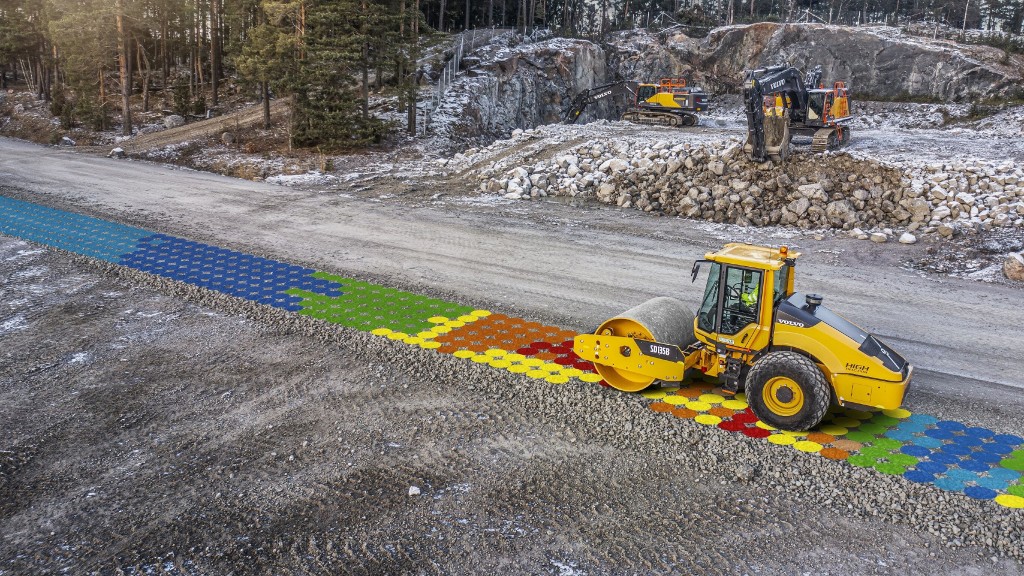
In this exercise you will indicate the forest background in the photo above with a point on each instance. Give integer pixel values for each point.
(89, 58)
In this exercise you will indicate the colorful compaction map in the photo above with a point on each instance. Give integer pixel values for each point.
(972, 460)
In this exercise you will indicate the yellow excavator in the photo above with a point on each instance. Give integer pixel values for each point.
(792, 356)
(670, 102)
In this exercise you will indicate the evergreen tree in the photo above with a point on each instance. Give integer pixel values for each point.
(327, 110)
(265, 58)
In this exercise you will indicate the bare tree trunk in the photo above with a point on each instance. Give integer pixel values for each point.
(466, 25)
(365, 63)
(103, 101)
(265, 92)
(214, 50)
(147, 71)
(122, 65)
(165, 64)
(490, 12)
(440, 18)
(414, 82)
(400, 61)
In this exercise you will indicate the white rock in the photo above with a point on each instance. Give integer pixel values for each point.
(613, 165)
(908, 238)
(799, 206)
(514, 195)
(941, 212)
(879, 237)
(605, 192)
(414, 491)
(812, 191)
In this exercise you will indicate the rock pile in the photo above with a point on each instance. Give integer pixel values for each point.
(974, 194)
(716, 181)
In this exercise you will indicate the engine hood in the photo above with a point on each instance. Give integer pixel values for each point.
(794, 313)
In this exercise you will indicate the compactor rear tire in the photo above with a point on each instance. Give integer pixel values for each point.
(788, 391)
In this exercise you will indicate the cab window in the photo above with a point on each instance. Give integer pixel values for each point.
(708, 313)
(741, 300)
(781, 280)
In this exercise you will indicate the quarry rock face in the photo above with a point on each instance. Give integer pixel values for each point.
(524, 86)
(875, 62)
(533, 83)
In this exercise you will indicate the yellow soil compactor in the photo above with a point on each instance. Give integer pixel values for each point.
(792, 355)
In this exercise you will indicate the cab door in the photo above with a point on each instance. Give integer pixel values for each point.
(731, 309)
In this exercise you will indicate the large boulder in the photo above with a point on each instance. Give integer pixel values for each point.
(173, 121)
(1013, 267)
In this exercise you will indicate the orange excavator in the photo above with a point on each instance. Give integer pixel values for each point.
(781, 102)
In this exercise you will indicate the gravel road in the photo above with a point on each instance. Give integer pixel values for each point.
(156, 427)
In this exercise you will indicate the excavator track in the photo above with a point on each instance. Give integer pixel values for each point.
(829, 139)
(821, 140)
(661, 118)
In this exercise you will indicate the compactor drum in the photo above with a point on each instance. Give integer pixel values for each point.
(659, 320)
(791, 355)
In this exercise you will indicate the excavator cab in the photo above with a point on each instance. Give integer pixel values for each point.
(645, 92)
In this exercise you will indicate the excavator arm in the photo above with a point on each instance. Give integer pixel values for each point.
(598, 93)
(765, 81)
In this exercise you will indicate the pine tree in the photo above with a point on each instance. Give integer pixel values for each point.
(327, 110)
(266, 56)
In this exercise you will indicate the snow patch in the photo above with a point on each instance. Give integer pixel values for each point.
(17, 322)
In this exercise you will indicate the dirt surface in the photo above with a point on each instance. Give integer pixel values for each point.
(151, 428)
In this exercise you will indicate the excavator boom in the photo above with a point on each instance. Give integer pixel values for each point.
(598, 93)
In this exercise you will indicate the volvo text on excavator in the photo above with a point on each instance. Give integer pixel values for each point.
(670, 102)
(790, 355)
(781, 102)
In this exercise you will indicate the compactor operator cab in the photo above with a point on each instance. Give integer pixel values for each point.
(734, 299)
